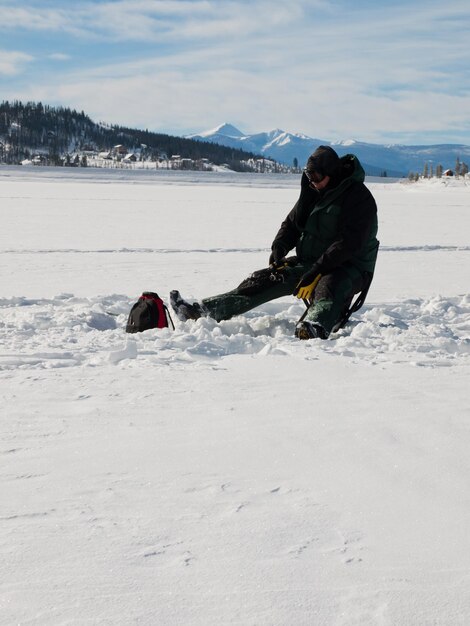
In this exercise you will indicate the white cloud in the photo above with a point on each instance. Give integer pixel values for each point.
(31, 18)
(330, 69)
(59, 56)
(173, 100)
(152, 20)
(12, 63)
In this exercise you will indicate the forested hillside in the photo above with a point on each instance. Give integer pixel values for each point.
(54, 132)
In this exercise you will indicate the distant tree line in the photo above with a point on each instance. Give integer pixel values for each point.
(461, 169)
(57, 131)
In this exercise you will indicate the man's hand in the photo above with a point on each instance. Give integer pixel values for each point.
(277, 255)
(306, 285)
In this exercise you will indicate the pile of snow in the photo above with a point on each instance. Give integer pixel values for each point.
(68, 331)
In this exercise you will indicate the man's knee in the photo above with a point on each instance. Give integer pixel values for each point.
(340, 284)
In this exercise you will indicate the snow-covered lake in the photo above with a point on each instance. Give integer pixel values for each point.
(227, 473)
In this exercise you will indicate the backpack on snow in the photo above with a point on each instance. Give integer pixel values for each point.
(148, 312)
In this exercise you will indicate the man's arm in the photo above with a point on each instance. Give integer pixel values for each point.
(291, 228)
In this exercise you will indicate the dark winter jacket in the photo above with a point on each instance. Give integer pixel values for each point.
(334, 227)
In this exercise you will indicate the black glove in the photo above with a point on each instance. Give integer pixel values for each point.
(306, 285)
(277, 255)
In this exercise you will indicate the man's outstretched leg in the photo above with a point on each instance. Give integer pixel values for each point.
(259, 288)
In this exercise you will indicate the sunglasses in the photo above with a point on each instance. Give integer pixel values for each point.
(314, 177)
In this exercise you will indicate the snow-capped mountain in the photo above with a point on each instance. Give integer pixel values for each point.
(396, 160)
(276, 144)
(226, 130)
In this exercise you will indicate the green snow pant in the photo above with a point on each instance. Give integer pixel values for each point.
(332, 296)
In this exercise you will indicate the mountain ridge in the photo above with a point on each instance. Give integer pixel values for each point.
(284, 147)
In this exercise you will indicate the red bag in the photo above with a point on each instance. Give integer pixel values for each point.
(148, 312)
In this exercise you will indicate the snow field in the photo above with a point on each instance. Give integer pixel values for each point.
(227, 473)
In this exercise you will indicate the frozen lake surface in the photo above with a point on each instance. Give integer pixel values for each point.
(227, 473)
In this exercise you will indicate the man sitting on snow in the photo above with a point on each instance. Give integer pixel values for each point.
(333, 227)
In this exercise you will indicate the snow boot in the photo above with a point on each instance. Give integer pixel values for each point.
(184, 310)
(308, 330)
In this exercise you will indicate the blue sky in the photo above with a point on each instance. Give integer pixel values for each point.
(393, 73)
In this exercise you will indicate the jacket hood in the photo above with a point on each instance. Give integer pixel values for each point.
(351, 172)
(351, 169)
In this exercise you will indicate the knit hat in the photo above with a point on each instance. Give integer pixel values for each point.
(323, 161)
